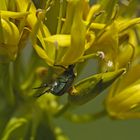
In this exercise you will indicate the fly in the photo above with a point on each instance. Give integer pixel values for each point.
(62, 84)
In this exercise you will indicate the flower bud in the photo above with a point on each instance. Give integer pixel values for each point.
(89, 88)
(123, 100)
(9, 38)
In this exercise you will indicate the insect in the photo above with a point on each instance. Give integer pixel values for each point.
(62, 84)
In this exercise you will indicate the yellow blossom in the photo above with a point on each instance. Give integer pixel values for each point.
(11, 33)
(123, 100)
(72, 37)
(9, 37)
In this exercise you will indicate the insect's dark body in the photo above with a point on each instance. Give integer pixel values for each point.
(62, 84)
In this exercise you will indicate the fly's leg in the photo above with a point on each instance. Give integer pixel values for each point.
(42, 86)
(60, 66)
(40, 94)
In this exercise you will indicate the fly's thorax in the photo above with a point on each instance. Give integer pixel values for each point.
(57, 88)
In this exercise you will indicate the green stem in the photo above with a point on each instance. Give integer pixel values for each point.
(85, 57)
(86, 117)
(18, 74)
(62, 110)
(60, 17)
(6, 83)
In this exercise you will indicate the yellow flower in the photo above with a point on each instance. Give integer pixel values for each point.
(57, 49)
(9, 37)
(11, 32)
(118, 42)
(123, 100)
(78, 35)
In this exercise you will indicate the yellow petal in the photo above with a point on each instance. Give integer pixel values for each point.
(124, 105)
(78, 32)
(14, 15)
(62, 40)
(43, 54)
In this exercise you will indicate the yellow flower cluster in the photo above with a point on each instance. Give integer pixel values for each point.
(83, 32)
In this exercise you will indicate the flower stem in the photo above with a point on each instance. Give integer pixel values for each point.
(6, 83)
(62, 110)
(60, 17)
(86, 117)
